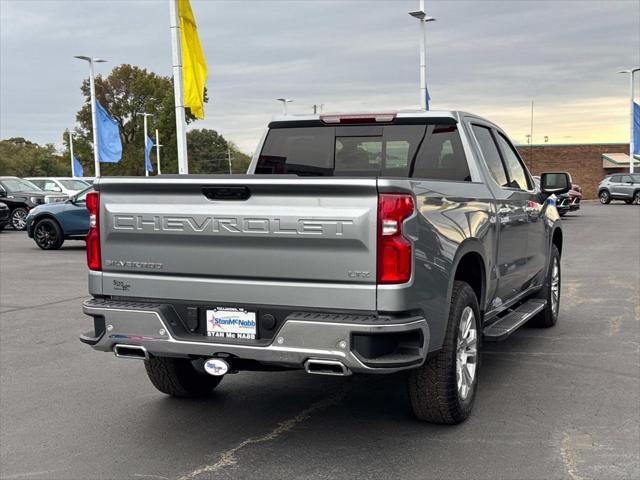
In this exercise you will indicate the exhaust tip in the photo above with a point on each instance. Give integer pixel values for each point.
(131, 351)
(326, 367)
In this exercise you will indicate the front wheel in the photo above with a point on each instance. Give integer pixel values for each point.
(636, 198)
(444, 388)
(19, 218)
(604, 197)
(48, 234)
(179, 377)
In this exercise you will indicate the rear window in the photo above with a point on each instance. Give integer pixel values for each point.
(423, 151)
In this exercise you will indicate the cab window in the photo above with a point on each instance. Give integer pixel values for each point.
(518, 178)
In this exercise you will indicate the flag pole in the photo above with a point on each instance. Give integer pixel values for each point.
(158, 150)
(145, 115)
(178, 89)
(73, 173)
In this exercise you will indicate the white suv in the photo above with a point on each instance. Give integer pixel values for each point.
(67, 185)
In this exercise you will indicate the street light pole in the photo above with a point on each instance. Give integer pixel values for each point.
(73, 173)
(631, 73)
(284, 104)
(158, 150)
(96, 155)
(145, 115)
(423, 18)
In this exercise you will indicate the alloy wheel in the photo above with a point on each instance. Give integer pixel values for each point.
(19, 219)
(555, 287)
(45, 235)
(466, 353)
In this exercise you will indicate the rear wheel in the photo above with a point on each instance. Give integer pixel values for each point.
(48, 234)
(179, 377)
(444, 388)
(636, 198)
(551, 293)
(604, 197)
(19, 218)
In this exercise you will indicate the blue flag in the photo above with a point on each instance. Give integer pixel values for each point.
(428, 97)
(636, 129)
(109, 144)
(78, 171)
(147, 155)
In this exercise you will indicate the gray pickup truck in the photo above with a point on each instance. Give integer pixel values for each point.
(373, 243)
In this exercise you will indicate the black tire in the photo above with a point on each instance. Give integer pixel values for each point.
(636, 198)
(604, 197)
(178, 377)
(433, 387)
(548, 317)
(17, 219)
(2, 227)
(48, 235)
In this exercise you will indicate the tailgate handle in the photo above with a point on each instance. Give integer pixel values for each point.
(226, 193)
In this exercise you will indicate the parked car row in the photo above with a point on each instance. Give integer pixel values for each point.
(21, 195)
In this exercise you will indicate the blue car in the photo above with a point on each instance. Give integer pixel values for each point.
(51, 224)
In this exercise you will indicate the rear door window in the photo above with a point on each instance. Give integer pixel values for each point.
(491, 154)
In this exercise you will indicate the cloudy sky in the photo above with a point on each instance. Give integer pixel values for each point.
(487, 57)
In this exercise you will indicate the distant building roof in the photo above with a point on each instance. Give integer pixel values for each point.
(618, 160)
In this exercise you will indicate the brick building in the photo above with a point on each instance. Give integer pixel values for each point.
(587, 163)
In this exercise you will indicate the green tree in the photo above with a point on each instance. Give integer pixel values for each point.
(23, 158)
(129, 91)
(210, 152)
(125, 93)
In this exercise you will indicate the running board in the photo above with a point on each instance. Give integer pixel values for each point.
(505, 326)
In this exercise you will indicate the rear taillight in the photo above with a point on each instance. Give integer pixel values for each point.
(394, 250)
(93, 237)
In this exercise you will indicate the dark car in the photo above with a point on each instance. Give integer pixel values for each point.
(21, 196)
(620, 186)
(50, 225)
(4, 215)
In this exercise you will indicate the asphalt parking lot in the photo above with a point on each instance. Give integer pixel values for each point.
(562, 403)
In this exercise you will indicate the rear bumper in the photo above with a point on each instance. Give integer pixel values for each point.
(356, 341)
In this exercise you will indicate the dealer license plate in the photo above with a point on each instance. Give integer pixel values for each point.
(231, 323)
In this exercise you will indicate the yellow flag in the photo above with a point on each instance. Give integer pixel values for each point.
(194, 65)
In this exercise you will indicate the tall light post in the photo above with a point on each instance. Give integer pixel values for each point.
(631, 73)
(423, 18)
(284, 104)
(96, 155)
(158, 150)
(145, 115)
(73, 173)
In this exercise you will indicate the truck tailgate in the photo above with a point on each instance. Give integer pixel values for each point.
(241, 239)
